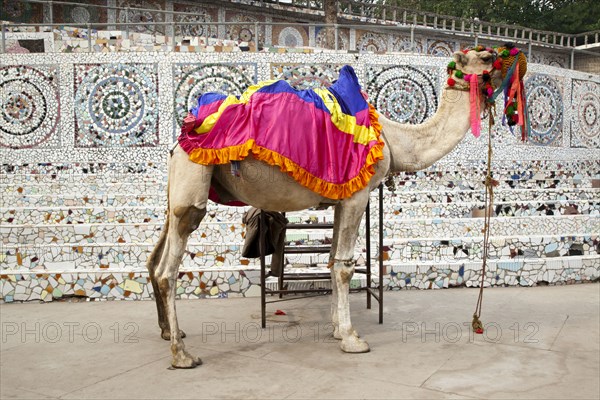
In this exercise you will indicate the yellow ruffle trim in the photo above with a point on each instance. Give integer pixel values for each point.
(330, 190)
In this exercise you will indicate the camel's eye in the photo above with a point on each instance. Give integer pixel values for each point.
(486, 58)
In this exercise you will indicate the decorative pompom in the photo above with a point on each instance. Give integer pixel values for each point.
(485, 76)
(497, 64)
(509, 45)
(452, 65)
(459, 74)
(467, 77)
(479, 331)
(451, 82)
(490, 91)
(514, 51)
(504, 53)
(465, 51)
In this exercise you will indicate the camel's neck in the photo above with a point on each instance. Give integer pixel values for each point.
(415, 147)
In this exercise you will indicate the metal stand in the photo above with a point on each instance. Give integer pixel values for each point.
(375, 292)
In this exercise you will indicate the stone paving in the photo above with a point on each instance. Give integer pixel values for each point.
(541, 342)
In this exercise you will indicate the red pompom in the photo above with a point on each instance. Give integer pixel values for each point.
(479, 331)
(451, 82)
(497, 64)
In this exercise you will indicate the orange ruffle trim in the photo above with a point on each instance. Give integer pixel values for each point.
(330, 190)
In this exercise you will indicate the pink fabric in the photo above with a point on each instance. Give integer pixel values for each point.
(475, 101)
(332, 155)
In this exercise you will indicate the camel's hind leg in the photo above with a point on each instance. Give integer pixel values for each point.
(348, 214)
(152, 264)
(188, 193)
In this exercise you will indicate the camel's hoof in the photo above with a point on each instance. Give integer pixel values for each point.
(166, 334)
(185, 361)
(354, 345)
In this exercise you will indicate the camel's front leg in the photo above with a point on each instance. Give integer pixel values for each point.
(347, 218)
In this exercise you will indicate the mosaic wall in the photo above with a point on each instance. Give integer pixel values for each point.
(544, 100)
(194, 34)
(85, 139)
(404, 93)
(30, 106)
(116, 105)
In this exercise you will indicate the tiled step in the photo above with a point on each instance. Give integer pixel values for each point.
(87, 234)
(508, 209)
(409, 210)
(502, 169)
(396, 226)
(461, 249)
(68, 199)
(115, 257)
(133, 285)
(205, 255)
(65, 199)
(478, 196)
(156, 185)
(150, 187)
(523, 272)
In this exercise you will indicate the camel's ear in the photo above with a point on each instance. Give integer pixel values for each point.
(460, 58)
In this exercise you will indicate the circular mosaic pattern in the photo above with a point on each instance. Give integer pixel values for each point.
(304, 77)
(140, 19)
(372, 42)
(403, 93)
(80, 15)
(440, 48)
(116, 105)
(29, 106)
(245, 31)
(545, 107)
(403, 44)
(196, 30)
(322, 39)
(290, 37)
(195, 80)
(586, 114)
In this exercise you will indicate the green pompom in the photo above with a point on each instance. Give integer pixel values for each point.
(452, 65)
(505, 53)
(510, 110)
(459, 74)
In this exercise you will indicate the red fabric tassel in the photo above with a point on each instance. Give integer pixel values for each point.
(475, 105)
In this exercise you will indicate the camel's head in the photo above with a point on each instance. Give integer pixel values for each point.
(482, 62)
(486, 72)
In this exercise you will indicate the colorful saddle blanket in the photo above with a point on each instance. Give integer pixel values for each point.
(328, 140)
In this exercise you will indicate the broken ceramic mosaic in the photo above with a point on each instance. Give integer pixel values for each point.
(81, 210)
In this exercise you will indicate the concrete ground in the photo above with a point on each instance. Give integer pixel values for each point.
(540, 343)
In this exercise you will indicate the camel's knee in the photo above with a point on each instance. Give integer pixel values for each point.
(189, 219)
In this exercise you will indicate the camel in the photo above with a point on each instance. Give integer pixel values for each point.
(407, 148)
